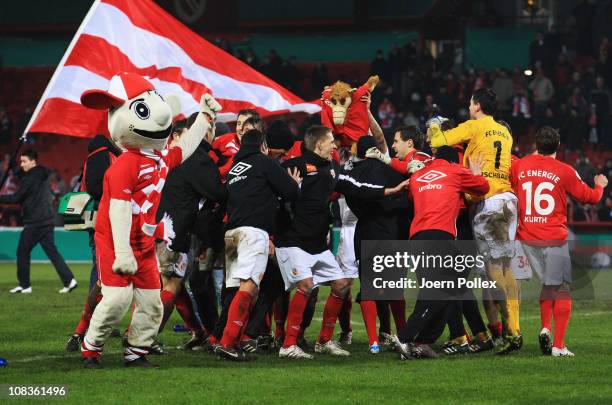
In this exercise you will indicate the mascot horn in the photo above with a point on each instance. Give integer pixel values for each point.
(140, 121)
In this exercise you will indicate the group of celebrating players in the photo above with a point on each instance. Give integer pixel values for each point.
(252, 213)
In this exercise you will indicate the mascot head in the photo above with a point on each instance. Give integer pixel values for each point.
(138, 116)
(340, 98)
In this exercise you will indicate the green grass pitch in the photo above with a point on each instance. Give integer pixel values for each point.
(34, 329)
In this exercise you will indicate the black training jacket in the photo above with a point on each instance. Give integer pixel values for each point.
(195, 179)
(35, 197)
(304, 223)
(255, 183)
(382, 218)
(97, 163)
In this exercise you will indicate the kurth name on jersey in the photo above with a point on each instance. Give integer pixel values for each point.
(536, 220)
(539, 173)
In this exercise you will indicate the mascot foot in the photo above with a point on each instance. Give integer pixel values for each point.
(92, 362)
(157, 348)
(140, 362)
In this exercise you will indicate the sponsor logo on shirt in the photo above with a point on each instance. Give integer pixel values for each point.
(431, 175)
(239, 168)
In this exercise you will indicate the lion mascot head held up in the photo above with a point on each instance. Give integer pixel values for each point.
(344, 112)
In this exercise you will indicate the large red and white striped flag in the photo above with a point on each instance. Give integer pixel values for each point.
(139, 36)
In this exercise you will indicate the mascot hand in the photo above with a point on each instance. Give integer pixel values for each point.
(415, 166)
(125, 263)
(375, 153)
(209, 106)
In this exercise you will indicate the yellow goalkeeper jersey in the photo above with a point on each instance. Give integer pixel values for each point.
(485, 137)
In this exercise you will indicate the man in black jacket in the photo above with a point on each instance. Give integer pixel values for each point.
(383, 218)
(38, 214)
(196, 180)
(302, 252)
(254, 184)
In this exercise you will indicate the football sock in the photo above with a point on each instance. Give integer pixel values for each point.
(561, 313)
(384, 316)
(84, 321)
(546, 313)
(294, 318)
(167, 299)
(368, 309)
(512, 302)
(237, 317)
(89, 349)
(267, 324)
(344, 317)
(398, 309)
(460, 340)
(280, 313)
(184, 307)
(330, 315)
(86, 314)
(310, 309)
(547, 303)
(496, 328)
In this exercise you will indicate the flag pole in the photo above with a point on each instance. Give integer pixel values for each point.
(93, 7)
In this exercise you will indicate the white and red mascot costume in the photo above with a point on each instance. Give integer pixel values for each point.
(140, 121)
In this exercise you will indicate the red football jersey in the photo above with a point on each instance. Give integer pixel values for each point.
(356, 124)
(437, 193)
(130, 173)
(228, 144)
(401, 166)
(541, 184)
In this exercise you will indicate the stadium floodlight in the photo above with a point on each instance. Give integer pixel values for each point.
(528, 72)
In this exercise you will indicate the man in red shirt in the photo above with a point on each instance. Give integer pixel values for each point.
(437, 191)
(228, 144)
(542, 183)
(407, 143)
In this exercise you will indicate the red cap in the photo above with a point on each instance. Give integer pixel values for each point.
(121, 88)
